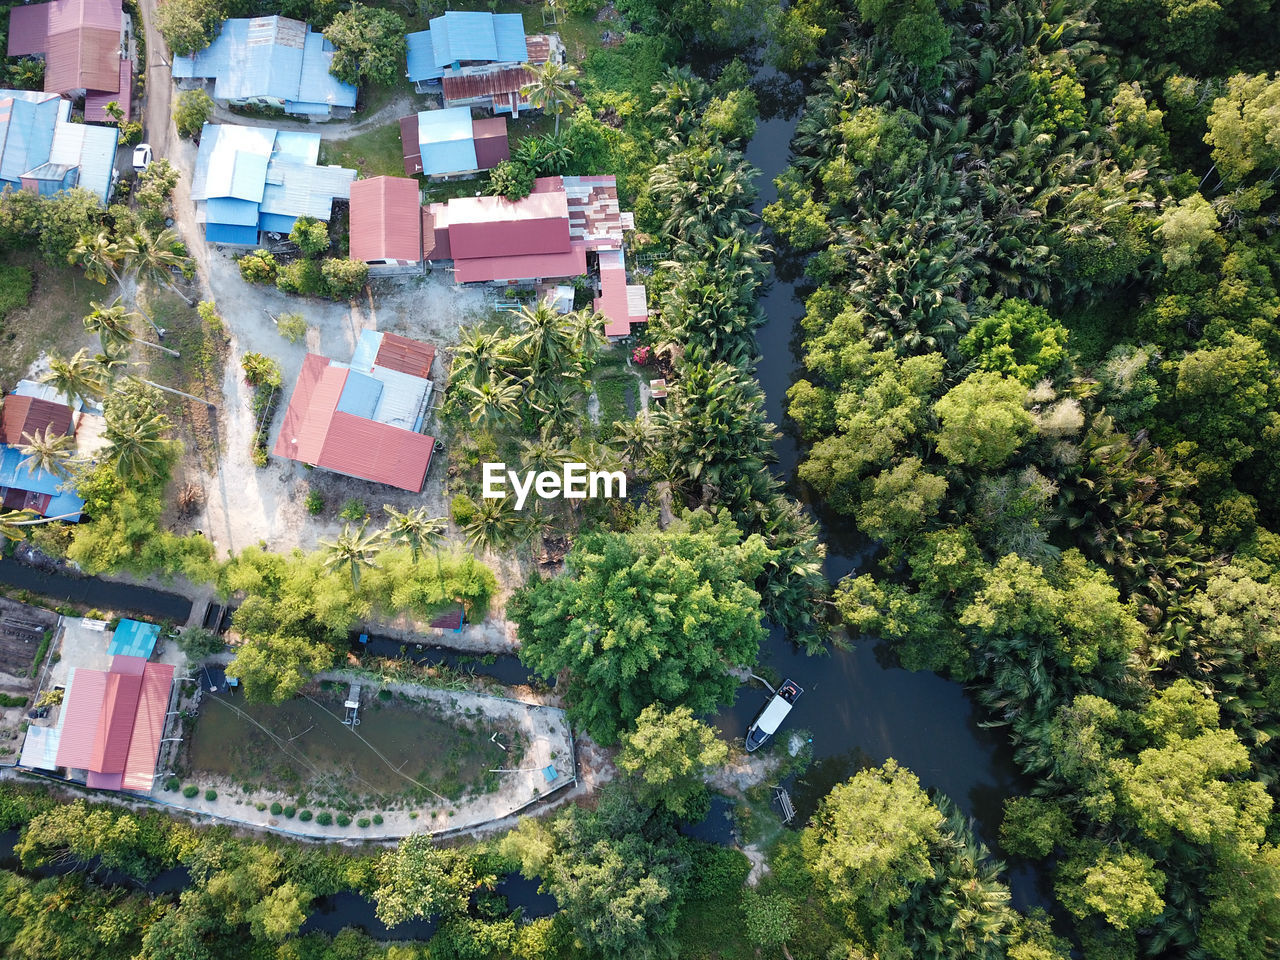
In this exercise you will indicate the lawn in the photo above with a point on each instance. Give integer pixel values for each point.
(52, 320)
(375, 153)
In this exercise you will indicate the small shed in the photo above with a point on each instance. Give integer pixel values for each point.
(133, 638)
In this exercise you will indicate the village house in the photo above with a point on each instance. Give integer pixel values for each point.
(449, 142)
(43, 151)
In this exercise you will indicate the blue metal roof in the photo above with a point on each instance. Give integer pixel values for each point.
(133, 638)
(242, 213)
(359, 395)
(422, 58)
(229, 233)
(318, 89)
(464, 35)
(28, 136)
(445, 141)
(66, 505)
(296, 145)
(276, 223)
(366, 351)
(13, 474)
(508, 31)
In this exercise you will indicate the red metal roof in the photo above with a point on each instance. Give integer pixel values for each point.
(538, 46)
(95, 103)
(621, 303)
(571, 263)
(29, 29)
(315, 432)
(385, 219)
(314, 402)
(114, 722)
(497, 227)
(408, 356)
(31, 415)
(377, 451)
(410, 146)
(492, 145)
(79, 38)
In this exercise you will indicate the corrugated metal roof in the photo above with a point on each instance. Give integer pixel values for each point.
(301, 190)
(366, 350)
(409, 144)
(420, 58)
(40, 748)
(360, 395)
(462, 35)
(95, 104)
(385, 223)
(311, 408)
(133, 638)
(29, 129)
(377, 451)
(90, 147)
(15, 476)
(443, 126)
(538, 48)
(216, 157)
(31, 415)
(492, 145)
(148, 727)
(572, 263)
(499, 82)
(444, 141)
(28, 29)
(115, 724)
(408, 356)
(296, 145)
(508, 32)
(232, 234)
(230, 210)
(82, 706)
(80, 40)
(497, 227)
(317, 86)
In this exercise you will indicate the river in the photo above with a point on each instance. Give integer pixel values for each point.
(859, 707)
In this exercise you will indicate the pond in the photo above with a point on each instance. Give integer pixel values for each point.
(400, 749)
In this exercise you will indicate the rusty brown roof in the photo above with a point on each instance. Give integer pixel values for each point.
(408, 356)
(31, 415)
(504, 81)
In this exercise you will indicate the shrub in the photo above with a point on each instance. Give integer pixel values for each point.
(191, 111)
(208, 311)
(362, 823)
(305, 815)
(302, 277)
(511, 180)
(463, 509)
(211, 794)
(314, 503)
(190, 790)
(291, 326)
(172, 784)
(276, 808)
(353, 510)
(259, 267)
(15, 288)
(259, 457)
(289, 811)
(260, 370)
(344, 820)
(310, 235)
(377, 818)
(324, 818)
(344, 278)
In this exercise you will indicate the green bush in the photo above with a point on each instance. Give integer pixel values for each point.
(291, 326)
(305, 815)
(377, 818)
(289, 811)
(211, 794)
(8, 700)
(15, 288)
(344, 278)
(172, 784)
(344, 820)
(190, 112)
(354, 510)
(259, 267)
(310, 235)
(302, 277)
(324, 818)
(260, 370)
(362, 823)
(463, 509)
(276, 808)
(190, 790)
(314, 503)
(511, 180)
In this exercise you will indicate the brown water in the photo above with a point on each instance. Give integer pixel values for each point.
(400, 748)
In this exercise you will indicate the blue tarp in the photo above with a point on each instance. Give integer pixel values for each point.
(133, 638)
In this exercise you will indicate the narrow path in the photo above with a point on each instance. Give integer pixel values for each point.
(389, 112)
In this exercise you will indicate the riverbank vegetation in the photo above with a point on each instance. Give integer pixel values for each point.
(1040, 371)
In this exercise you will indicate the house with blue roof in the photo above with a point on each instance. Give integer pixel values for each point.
(270, 62)
(23, 485)
(461, 41)
(43, 152)
(251, 180)
(133, 638)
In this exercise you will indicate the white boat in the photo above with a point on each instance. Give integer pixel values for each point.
(772, 714)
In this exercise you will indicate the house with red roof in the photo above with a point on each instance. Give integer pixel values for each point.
(36, 409)
(547, 235)
(84, 44)
(364, 419)
(386, 223)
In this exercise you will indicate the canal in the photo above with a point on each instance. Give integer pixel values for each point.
(859, 707)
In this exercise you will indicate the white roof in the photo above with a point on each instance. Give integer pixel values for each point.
(773, 715)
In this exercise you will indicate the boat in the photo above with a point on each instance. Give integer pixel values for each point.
(772, 714)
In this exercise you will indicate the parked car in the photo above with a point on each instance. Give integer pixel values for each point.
(142, 157)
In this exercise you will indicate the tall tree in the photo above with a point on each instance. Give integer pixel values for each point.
(669, 752)
(550, 89)
(78, 378)
(354, 549)
(49, 451)
(414, 527)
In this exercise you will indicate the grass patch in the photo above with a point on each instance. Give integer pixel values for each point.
(612, 392)
(50, 320)
(40, 652)
(435, 191)
(374, 153)
(15, 288)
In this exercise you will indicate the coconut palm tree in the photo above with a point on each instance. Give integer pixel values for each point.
(354, 549)
(137, 443)
(14, 523)
(78, 378)
(479, 356)
(416, 527)
(100, 256)
(49, 451)
(494, 524)
(545, 341)
(549, 89)
(155, 257)
(114, 327)
(492, 403)
(545, 451)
